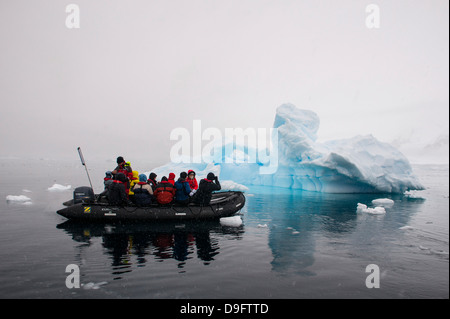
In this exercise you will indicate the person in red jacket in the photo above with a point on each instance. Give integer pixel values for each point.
(164, 192)
(192, 180)
(172, 178)
(124, 168)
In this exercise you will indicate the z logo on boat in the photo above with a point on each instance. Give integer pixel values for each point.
(87, 209)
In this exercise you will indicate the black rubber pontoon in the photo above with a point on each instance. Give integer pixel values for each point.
(223, 204)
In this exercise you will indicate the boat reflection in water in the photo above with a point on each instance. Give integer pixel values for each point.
(158, 241)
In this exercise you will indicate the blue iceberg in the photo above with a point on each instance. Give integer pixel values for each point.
(361, 164)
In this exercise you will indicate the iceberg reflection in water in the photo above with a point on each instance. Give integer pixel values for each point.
(302, 243)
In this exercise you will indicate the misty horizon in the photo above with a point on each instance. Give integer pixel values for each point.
(133, 72)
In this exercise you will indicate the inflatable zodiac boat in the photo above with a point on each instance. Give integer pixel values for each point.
(84, 207)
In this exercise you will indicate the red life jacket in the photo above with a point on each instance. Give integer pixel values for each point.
(164, 192)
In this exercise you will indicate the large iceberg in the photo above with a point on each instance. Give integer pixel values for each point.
(361, 164)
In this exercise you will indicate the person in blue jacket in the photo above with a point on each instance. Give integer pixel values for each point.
(182, 189)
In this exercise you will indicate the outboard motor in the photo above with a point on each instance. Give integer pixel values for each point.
(83, 194)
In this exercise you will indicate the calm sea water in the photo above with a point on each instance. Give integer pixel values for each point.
(292, 244)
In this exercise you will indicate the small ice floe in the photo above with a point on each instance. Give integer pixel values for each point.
(423, 248)
(19, 199)
(59, 188)
(93, 285)
(361, 208)
(233, 221)
(294, 231)
(232, 186)
(26, 191)
(406, 228)
(262, 225)
(384, 202)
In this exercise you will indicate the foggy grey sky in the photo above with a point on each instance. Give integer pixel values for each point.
(137, 69)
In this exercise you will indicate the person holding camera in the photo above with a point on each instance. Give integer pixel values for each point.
(207, 186)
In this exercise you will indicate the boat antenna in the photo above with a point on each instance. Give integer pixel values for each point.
(84, 164)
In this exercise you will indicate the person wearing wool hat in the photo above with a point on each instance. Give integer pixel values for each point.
(207, 186)
(152, 180)
(122, 167)
(143, 192)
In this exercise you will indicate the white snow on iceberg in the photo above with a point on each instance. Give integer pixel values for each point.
(232, 186)
(361, 164)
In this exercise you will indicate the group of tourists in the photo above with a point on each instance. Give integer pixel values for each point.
(123, 186)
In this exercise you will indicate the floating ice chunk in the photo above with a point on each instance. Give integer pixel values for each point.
(376, 211)
(19, 198)
(361, 208)
(232, 186)
(233, 221)
(92, 285)
(385, 202)
(262, 225)
(26, 191)
(295, 232)
(406, 228)
(423, 248)
(59, 188)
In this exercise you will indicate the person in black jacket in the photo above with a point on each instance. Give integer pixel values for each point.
(117, 194)
(207, 186)
(143, 192)
(152, 181)
(107, 181)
